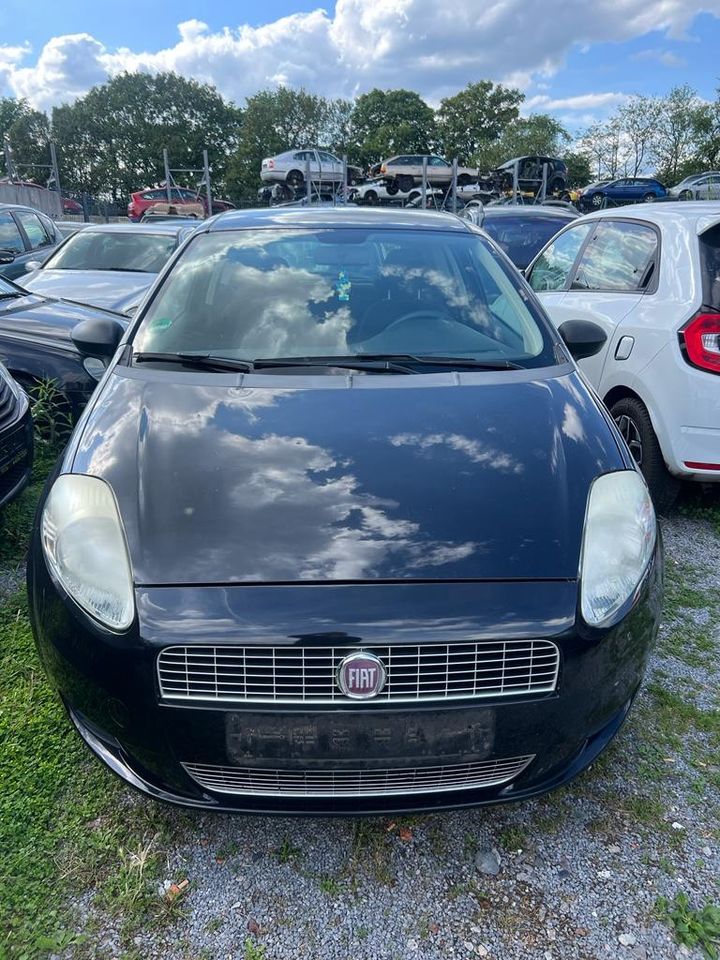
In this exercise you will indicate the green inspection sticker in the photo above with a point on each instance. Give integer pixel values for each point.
(161, 323)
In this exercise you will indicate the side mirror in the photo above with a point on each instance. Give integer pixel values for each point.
(32, 265)
(7, 256)
(582, 338)
(97, 338)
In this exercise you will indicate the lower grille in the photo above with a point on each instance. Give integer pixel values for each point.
(308, 675)
(400, 781)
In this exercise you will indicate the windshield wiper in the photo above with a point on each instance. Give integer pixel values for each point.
(469, 362)
(377, 364)
(201, 361)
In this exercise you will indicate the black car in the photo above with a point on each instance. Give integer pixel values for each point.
(344, 530)
(16, 438)
(521, 231)
(36, 344)
(530, 174)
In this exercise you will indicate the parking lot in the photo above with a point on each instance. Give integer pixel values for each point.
(99, 871)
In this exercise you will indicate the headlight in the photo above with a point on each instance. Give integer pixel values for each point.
(84, 545)
(618, 543)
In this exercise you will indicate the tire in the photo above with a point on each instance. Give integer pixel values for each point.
(392, 187)
(597, 200)
(295, 179)
(633, 422)
(371, 198)
(556, 186)
(685, 195)
(649, 198)
(413, 195)
(464, 180)
(405, 183)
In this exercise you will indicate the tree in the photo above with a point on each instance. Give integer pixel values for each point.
(476, 117)
(111, 140)
(578, 166)
(638, 121)
(29, 133)
(278, 120)
(387, 122)
(681, 115)
(537, 134)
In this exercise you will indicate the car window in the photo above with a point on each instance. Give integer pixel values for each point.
(617, 257)
(552, 269)
(155, 195)
(36, 232)
(710, 267)
(90, 250)
(328, 157)
(438, 162)
(522, 238)
(336, 292)
(10, 238)
(48, 226)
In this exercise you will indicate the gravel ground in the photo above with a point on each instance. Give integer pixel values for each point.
(575, 874)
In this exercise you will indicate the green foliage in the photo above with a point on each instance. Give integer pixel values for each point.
(29, 133)
(693, 928)
(387, 122)
(253, 951)
(111, 140)
(475, 118)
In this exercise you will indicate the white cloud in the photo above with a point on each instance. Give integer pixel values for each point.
(419, 44)
(665, 57)
(587, 101)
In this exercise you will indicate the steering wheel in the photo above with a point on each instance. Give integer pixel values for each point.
(413, 316)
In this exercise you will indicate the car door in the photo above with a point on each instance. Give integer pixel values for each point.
(331, 166)
(549, 274)
(616, 267)
(38, 234)
(12, 247)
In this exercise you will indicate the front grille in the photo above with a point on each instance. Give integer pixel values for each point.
(7, 403)
(400, 781)
(232, 674)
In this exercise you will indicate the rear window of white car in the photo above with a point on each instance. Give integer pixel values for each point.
(710, 265)
(620, 256)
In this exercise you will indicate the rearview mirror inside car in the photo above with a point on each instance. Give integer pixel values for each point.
(582, 338)
(97, 338)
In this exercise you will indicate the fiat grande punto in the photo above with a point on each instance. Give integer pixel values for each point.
(342, 529)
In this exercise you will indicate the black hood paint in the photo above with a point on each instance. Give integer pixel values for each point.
(45, 319)
(223, 479)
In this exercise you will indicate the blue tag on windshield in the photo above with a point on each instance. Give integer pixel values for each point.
(343, 286)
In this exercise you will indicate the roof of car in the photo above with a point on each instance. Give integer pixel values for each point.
(21, 206)
(695, 215)
(344, 216)
(164, 227)
(530, 210)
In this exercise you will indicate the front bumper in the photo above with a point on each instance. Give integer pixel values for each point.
(109, 685)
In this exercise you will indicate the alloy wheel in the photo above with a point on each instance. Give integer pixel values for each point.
(631, 435)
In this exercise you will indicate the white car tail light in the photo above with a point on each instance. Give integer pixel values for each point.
(701, 338)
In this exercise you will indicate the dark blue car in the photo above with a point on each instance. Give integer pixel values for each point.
(624, 190)
(343, 529)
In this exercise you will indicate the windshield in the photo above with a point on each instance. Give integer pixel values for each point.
(8, 289)
(90, 250)
(522, 237)
(281, 293)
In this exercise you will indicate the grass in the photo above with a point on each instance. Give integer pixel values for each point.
(692, 927)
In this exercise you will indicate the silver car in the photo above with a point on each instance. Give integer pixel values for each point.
(291, 168)
(406, 171)
(685, 189)
(109, 265)
(706, 187)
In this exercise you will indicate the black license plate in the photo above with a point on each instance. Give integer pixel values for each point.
(456, 734)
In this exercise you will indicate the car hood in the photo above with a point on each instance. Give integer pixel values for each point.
(110, 289)
(46, 320)
(221, 479)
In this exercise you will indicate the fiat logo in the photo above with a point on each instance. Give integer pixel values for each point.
(361, 676)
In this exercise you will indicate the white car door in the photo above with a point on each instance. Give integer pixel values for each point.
(609, 279)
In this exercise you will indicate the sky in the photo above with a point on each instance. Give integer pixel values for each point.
(578, 59)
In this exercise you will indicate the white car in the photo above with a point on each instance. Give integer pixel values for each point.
(405, 171)
(649, 275)
(376, 191)
(292, 166)
(685, 190)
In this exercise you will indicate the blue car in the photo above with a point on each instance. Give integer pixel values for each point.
(25, 235)
(343, 529)
(625, 190)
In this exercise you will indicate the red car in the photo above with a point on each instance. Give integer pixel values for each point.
(143, 200)
(71, 206)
